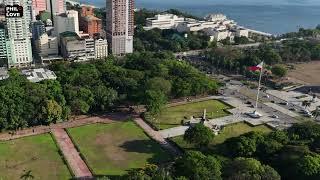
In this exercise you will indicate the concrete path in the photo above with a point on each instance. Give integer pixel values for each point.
(157, 136)
(173, 132)
(281, 109)
(80, 121)
(237, 115)
(77, 165)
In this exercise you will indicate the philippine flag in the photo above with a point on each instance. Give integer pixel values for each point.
(255, 68)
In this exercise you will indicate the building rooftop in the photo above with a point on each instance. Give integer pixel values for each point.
(91, 18)
(68, 35)
(37, 75)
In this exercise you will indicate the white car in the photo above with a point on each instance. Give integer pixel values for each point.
(275, 116)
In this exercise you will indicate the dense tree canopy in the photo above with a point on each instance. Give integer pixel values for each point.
(140, 78)
(199, 135)
(250, 169)
(279, 71)
(195, 165)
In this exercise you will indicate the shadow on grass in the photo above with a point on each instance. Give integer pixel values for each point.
(147, 147)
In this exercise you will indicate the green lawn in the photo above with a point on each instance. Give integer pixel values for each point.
(111, 149)
(36, 153)
(233, 130)
(172, 116)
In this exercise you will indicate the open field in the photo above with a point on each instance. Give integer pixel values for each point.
(36, 153)
(172, 116)
(306, 73)
(112, 149)
(233, 130)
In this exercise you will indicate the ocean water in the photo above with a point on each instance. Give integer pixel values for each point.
(272, 16)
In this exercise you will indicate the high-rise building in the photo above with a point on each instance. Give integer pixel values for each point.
(67, 21)
(19, 34)
(38, 28)
(4, 46)
(56, 7)
(39, 5)
(120, 25)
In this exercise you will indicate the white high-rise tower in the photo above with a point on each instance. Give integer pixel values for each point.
(120, 25)
(19, 34)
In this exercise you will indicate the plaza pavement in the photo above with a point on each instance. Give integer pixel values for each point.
(281, 109)
(237, 115)
(291, 97)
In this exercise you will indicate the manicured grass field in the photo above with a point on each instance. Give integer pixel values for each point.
(230, 131)
(39, 154)
(172, 116)
(111, 149)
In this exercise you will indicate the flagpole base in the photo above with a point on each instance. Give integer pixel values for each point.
(255, 114)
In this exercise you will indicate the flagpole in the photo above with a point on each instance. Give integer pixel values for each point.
(259, 85)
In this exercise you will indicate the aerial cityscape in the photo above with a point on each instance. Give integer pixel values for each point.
(124, 91)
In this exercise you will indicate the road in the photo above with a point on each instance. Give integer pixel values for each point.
(198, 52)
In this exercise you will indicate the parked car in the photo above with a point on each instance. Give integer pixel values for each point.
(284, 103)
(293, 109)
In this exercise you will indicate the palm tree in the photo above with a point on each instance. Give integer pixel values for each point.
(306, 104)
(27, 175)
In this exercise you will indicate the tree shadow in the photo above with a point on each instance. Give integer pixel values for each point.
(159, 155)
(147, 147)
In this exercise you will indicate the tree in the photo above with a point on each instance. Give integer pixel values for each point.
(268, 147)
(279, 71)
(244, 145)
(279, 136)
(158, 83)
(241, 40)
(104, 97)
(79, 107)
(270, 56)
(148, 172)
(250, 169)
(199, 135)
(309, 166)
(27, 175)
(52, 112)
(304, 131)
(155, 101)
(195, 165)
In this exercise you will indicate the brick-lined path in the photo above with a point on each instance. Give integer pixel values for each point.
(78, 166)
(84, 120)
(157, 136)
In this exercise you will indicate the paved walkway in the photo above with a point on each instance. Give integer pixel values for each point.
(236, 117)
(78, 166)
(80, 121)
(281, 109)
(157, 136)
(291, 97)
